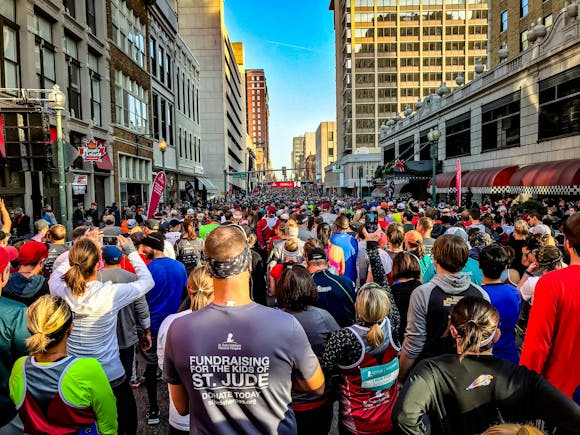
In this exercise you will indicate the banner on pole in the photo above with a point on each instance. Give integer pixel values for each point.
(190, 190)
(458, 181)
(156, 193)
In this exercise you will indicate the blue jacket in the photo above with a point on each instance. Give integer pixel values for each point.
(349, 246)
(336, 294)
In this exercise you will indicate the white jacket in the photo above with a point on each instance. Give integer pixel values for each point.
(94, 332)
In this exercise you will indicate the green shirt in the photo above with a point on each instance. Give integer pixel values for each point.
(83, 385)
(13, 333)
(204, 230)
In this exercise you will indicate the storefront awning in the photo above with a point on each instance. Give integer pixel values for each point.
(208, 184)
(398, 188)
(560, 173)
(105, 164)
(489, 177)
(446, 180)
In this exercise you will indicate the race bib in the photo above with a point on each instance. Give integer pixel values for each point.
(381, 377)
(89, 430)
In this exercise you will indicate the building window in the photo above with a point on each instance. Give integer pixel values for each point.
(9, 55)
(503, 23)
(130, 103)
(168, 71)
(524, 40)
(178, 90)
(69, 6)
(160, 62)
(95, 89)
(74, 77)
(548, 20)
(559, 105)
(180, 139)
(163, 112)
(153, 56)
(523, 8)
(91, 15)
(155, 110)
(128, 33)
(44, 54)
(170, 138)
(458, 136)
(501, 123)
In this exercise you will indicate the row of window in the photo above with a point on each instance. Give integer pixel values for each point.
(189, 146)
(558, 116)
(128, 32)
(130, 103)
(368, 50)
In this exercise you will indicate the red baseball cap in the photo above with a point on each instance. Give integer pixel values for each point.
(32, 252)
(7, 255)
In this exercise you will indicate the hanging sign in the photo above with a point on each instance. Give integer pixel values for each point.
(92, 150)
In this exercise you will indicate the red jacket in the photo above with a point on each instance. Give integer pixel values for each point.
(552, 343)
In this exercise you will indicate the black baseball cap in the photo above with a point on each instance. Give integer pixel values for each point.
(317, 254)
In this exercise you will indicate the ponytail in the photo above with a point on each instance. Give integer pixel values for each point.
(200, 287)
(83, 257)
(372, 306)
(48, 320)
(375, 336)
(476, 322)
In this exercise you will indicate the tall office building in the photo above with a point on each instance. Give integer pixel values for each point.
(221, 93)
(309, 172)
(325, 147)
(258, 114)
(391, 53)
(510, 22)
(298, 157)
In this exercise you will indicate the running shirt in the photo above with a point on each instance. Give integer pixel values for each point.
(238, 374)
(336, 294)
(63, 397)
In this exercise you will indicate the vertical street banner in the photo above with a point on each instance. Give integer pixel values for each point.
(156, 193)
(458, 181)
(2, 141)
(190, 190)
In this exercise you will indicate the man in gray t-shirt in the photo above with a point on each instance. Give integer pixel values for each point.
(232, 365)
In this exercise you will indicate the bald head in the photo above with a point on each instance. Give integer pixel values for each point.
(225, 242)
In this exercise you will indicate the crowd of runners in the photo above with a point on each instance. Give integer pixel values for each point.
(260, 313)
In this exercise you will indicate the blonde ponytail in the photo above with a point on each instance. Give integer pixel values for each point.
(200, 287)
(48, 320)
(83, 257)
(372, 306)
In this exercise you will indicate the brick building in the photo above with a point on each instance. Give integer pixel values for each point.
(510, 21)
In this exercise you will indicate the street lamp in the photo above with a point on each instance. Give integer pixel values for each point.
(58, 101)
(360, 174)
(162, 147)
(433, 137)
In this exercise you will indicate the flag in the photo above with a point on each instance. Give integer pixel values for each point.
(2, 141)
(458, 181)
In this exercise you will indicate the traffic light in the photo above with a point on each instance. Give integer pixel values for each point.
(284, 171)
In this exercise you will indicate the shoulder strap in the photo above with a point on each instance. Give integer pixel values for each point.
(327, 274)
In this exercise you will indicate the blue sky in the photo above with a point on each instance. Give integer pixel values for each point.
(293, 42)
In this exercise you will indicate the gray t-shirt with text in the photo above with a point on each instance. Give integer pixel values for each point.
(237, 364)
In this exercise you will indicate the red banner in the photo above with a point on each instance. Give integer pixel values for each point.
(284, 184)
(2, 141)
(156, 193)
(458, 181)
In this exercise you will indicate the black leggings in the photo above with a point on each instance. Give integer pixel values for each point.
(151, 385)
(126, 408)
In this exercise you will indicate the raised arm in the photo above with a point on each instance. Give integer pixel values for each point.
(6, 221)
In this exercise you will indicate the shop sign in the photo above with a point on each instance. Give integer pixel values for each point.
(92, 150)
(80, 180)
(285, 184)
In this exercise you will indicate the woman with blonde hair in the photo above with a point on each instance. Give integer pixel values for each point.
(467, 392)
(291, 248)
(200, 294)
(53, 391)
(365, 357)
(96, 306)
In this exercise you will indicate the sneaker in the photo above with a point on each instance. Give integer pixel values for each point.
(153, 418)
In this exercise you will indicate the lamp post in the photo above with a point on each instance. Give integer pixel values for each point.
(360, 174)
(433, 137)
(162, 147)
(58, 100)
